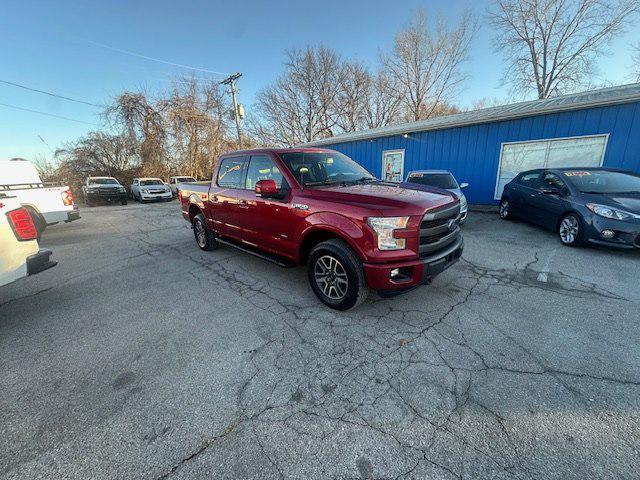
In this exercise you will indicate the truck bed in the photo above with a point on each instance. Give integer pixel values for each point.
(194, 187)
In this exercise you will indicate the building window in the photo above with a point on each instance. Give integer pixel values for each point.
(393, 165)
(516, 157)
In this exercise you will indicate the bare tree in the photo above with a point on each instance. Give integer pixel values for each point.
(383, 103)
(195, 119)
(351, 100)
(46, 169)
(426, 66)
(97, 153)
(551, 45)
(300, 106)
(136, 116)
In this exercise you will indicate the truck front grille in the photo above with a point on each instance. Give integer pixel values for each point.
(439, 228)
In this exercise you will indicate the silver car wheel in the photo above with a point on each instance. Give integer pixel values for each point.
(201, 234)
(569, 230)
(331, 277)
(504, 209)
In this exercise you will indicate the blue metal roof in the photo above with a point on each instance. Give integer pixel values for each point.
(602, 97)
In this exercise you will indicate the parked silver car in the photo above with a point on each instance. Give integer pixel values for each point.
(441, 179)
(174, 181)
(150, 189)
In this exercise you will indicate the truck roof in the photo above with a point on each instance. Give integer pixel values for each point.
(277, 150)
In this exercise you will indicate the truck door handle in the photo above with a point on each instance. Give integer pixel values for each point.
(243, 204)
(214, 198)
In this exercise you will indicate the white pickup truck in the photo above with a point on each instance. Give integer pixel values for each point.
(20, 254)
(47, 205)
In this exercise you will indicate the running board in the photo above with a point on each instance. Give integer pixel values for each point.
(282, 262)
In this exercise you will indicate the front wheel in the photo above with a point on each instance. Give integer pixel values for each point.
(204, 238)
(123, 201)
(570, 230)
(504, 210)
(336, 275)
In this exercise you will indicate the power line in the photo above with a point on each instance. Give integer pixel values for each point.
(133, 54)
(47, 114)
(51, 94)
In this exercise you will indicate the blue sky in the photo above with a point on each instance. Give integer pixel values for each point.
(53, 46)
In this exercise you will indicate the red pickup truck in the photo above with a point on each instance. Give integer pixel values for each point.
(317, 207)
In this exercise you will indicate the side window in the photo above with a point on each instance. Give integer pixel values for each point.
(553, 181)
(531, 180)
(262, 168)
(231, 172)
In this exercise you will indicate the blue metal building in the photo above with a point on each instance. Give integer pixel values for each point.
(488, 147)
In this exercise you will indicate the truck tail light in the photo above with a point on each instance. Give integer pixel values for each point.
(22, 224)
(67, 198)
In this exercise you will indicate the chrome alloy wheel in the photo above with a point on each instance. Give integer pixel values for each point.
(569, 230)
(331, 277)
(504, 209)
(201, 234)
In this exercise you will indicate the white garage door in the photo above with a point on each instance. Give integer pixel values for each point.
(516, 157)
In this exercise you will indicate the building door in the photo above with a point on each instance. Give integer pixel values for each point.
(393, 165)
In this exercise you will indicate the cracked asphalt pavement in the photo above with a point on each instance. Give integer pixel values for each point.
(139, 356)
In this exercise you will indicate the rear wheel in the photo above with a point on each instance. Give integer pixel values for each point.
(570, 230)
(336, 275)
(204, 238)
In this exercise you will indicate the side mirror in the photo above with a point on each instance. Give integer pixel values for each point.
(266, 188)
(464, 185)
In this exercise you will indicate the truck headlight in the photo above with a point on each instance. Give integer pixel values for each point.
(384, 228)
(609, 212)
(121, 189)
(145, 190)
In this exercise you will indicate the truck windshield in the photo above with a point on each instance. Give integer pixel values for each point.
(603, 181)
(152, 181)
(185, 179)
(324, 168)
(439, 180)
(103, 181)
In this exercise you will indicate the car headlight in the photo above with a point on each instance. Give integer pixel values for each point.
(145, 190)
(609, 212)
(384, 228)
(121, 189)
(463, 202)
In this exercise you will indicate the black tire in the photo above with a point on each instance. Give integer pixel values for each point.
(123, 201)
(333, 293)
(504, 209)
(571, 230)
(204, 238)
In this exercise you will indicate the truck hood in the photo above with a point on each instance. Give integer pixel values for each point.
(384, 196)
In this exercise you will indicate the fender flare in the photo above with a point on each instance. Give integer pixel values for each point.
(336, 224)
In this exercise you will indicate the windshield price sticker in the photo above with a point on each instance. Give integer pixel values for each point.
(416, 175)
(577, 174)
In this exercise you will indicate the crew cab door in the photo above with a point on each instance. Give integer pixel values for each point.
(267, 223)
(224, 212)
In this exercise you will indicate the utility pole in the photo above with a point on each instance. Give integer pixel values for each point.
(231, 80)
